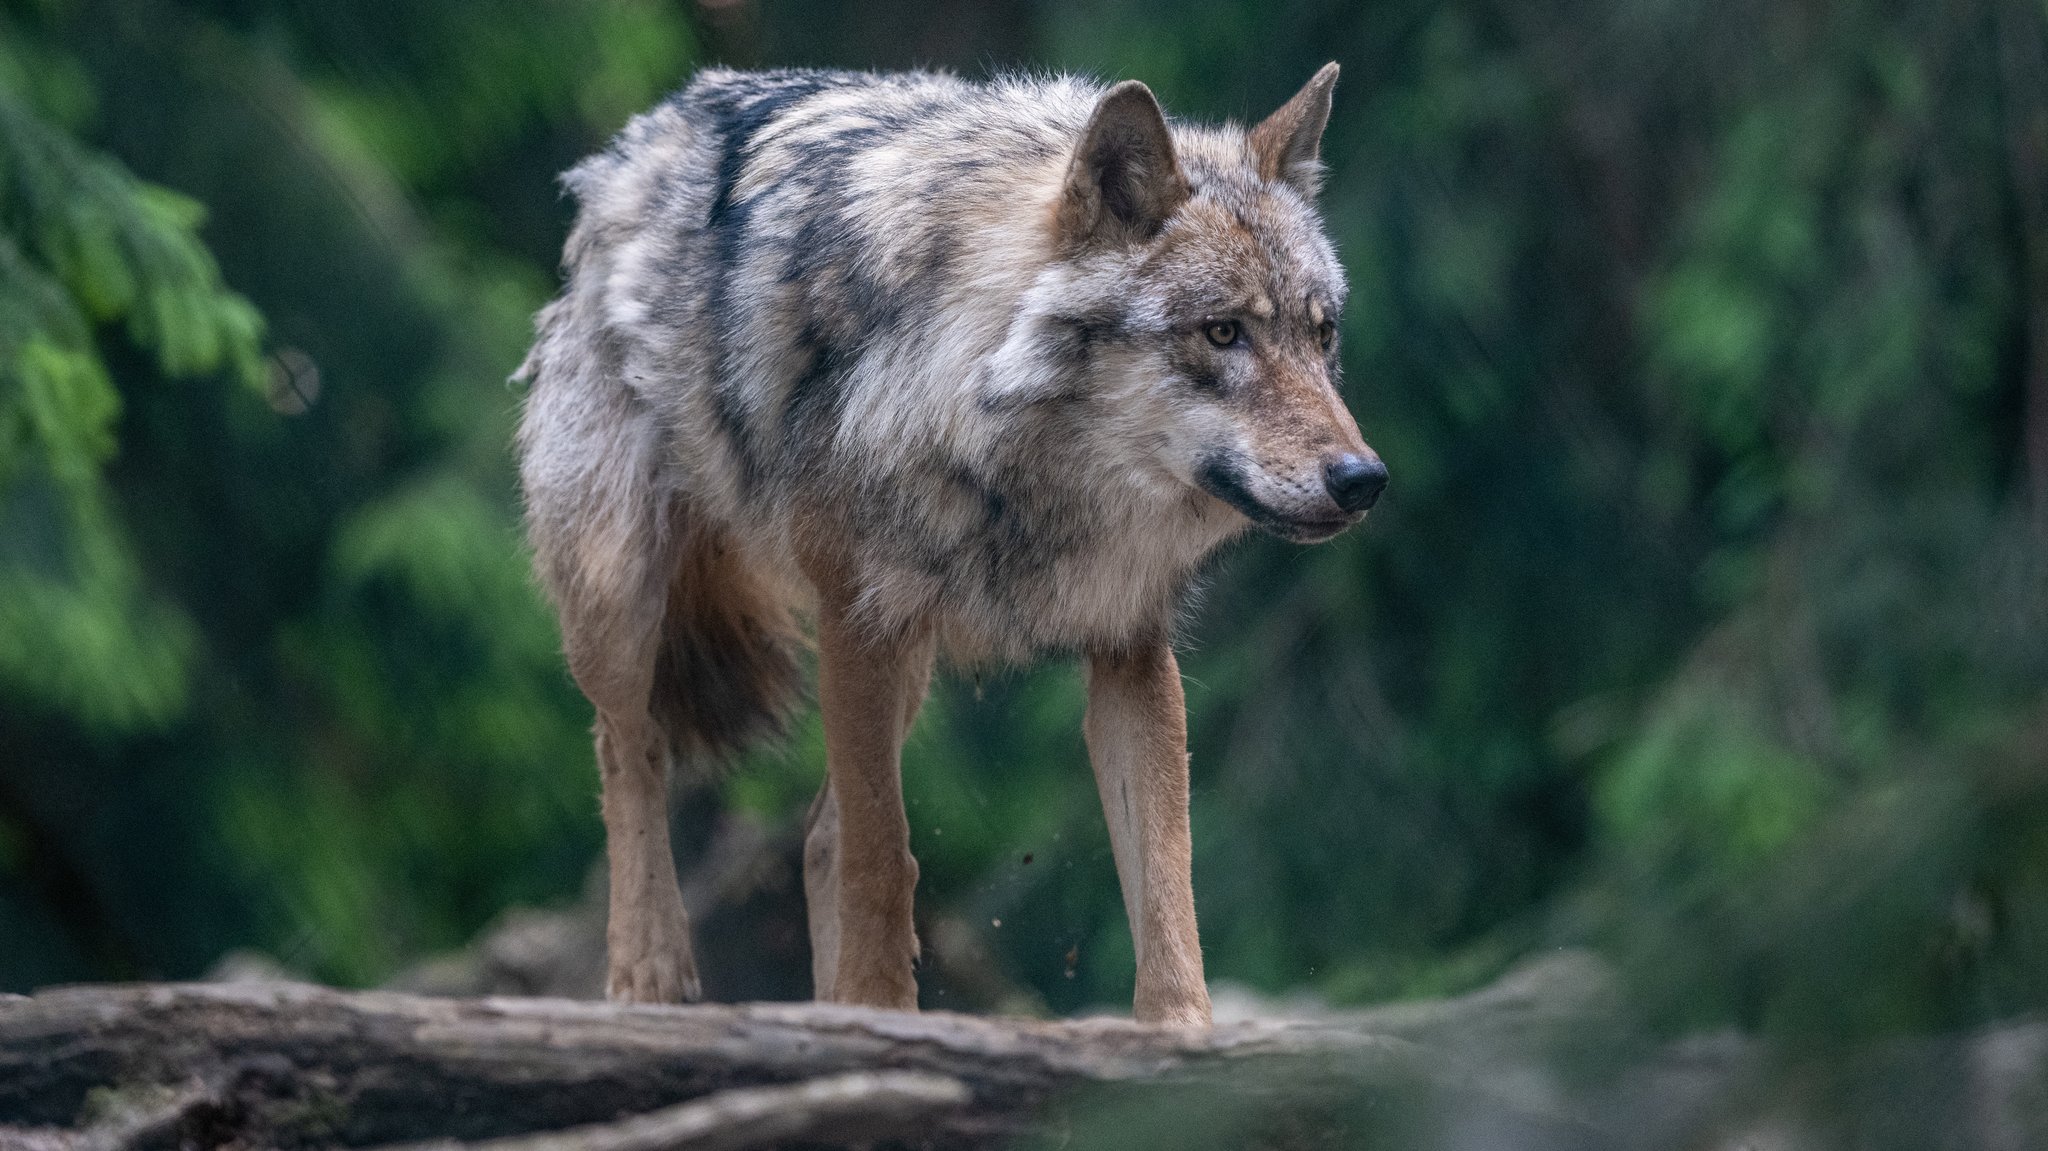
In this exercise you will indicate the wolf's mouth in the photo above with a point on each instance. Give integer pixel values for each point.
(1311, 531)
(1220, 477)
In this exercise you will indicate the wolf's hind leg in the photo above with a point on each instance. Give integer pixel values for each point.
(821, 852)
(1138, 741)
(821, 889)
(612, 602)
(647, 936)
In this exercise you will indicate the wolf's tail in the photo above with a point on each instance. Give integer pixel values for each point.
(728, 669)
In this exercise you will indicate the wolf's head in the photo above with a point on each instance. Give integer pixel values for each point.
(1196, 284)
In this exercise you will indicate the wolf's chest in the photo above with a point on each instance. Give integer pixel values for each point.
(1014, 590)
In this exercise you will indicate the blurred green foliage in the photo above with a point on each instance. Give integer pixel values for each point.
(86, 245)
(1703, 623)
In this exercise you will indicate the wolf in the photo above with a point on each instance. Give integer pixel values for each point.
(902, 366)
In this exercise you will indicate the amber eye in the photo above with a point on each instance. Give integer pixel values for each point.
(1221, 333)
(1326, 334)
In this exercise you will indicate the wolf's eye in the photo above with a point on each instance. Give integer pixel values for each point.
(1326, 334)
(1221, 333)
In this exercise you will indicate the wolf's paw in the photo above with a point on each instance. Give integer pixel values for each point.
(1186, 1015)
(1184, 1008)
(897, 993)
(653, 964)
(654, 979)
(879, 976)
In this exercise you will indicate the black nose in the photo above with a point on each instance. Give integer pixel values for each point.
(1355, 482)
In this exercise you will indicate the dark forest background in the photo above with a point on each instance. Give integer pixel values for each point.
(1705, 623)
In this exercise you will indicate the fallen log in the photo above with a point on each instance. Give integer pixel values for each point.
(115, 1068)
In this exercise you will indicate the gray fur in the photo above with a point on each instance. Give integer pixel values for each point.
(823, 302)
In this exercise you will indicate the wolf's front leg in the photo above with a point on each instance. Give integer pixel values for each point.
(647, 936)
(867, 686)
(821, 848)
(1138, 741)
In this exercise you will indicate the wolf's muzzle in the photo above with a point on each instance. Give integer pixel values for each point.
(1220, 476)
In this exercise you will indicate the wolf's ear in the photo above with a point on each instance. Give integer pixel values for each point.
(1287, 145)
(1124, 180)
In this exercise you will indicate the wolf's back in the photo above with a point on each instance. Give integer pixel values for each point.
(764, 241)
